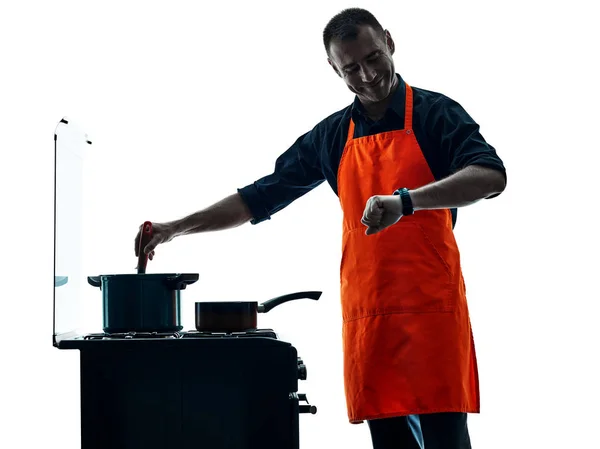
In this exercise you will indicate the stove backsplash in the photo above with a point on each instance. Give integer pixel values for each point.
(71, 145)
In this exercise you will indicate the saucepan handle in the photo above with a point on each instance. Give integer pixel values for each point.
(268, 305)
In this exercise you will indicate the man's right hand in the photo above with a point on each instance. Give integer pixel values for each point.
(161, 233)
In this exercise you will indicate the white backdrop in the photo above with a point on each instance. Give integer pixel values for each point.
(158, 87)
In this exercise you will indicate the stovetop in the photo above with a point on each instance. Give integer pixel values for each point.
(239, 341)
(264, 333)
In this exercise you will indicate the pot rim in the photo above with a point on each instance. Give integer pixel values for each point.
(225, 302)
(142, 275)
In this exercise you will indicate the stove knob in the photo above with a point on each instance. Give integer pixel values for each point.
(302, 372)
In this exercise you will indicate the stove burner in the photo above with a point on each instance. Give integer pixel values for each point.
(265, 333)
(131, 335)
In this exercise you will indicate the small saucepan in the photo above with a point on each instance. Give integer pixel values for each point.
(238, 316)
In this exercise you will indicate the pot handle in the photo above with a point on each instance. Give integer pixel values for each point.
(95, 281)
(60, 280)
(180, 281)
(268, 305)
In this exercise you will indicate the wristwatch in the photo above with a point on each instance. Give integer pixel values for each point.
(407, 206)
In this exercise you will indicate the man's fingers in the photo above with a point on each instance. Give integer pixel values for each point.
(372, 230)
(137, 245)
(152, 244)
(371, 221)
(378, 215)
(373, 212)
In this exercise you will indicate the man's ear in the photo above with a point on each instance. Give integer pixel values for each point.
(389, 42)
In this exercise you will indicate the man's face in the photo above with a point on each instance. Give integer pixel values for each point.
(365, 64)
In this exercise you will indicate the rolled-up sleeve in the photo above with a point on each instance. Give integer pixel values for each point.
(459, 138)
(297, 171)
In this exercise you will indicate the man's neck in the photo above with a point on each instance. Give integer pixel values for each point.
(376, 114)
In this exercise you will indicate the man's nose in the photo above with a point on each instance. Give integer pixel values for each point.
(367, 75)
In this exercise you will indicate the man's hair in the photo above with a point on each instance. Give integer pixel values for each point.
(344, 25)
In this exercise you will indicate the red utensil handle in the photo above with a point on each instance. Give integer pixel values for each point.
(145, 237)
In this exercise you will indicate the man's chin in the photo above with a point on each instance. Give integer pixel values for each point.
(375, 98)
(380, 94)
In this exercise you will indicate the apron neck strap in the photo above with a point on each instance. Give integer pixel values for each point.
(408, 107)
(350, 131)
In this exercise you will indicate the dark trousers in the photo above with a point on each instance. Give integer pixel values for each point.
(430, 431)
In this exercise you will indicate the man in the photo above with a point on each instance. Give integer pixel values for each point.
(401, 160)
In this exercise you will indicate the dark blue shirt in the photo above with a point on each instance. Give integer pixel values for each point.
(449, 139)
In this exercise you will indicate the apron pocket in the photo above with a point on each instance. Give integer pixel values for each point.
(398, 270)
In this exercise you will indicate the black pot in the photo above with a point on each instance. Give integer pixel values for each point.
(239, 316)
(142, 302)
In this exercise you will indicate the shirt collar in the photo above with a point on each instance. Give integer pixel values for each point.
(396, 105)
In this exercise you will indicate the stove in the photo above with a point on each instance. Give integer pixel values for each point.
(234, 390)
(150, 390)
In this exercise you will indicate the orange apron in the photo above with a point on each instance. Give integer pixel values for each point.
(407, 339)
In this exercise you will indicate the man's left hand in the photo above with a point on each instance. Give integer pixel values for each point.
(381, 211)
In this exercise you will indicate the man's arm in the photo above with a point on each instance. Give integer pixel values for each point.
(477, 171)
(228, 213)
(296, 173)
(463, 188)
(474, 170)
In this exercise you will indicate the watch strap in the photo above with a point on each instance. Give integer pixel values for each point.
(407, 205)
